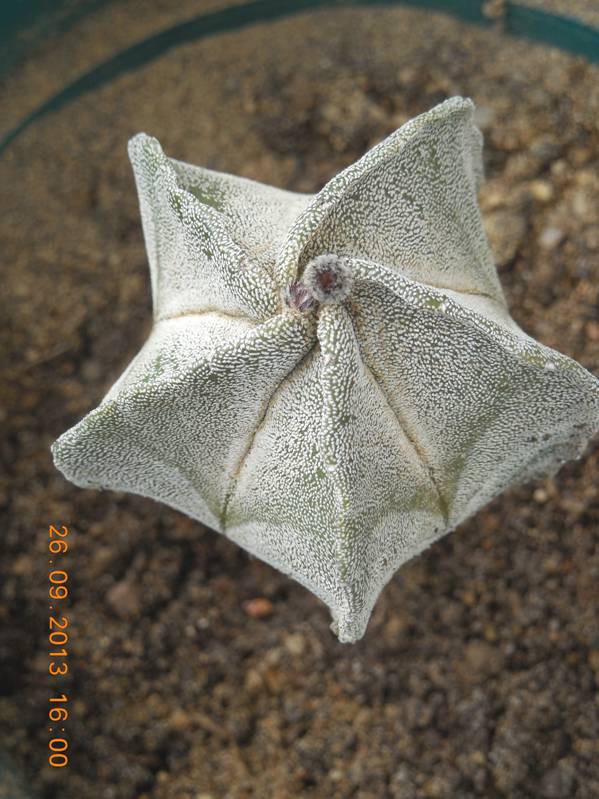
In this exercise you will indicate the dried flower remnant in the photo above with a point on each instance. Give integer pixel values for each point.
(298, 297)
(332, 381)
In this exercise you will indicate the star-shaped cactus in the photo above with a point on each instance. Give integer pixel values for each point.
(332, 381)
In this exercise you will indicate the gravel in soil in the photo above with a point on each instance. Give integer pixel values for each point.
(197, 672)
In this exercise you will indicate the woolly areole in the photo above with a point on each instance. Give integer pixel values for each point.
(328, 278)
(332, 381)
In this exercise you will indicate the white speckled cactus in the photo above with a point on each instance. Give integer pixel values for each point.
(332, 381)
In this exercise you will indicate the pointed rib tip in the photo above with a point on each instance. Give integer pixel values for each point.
(60, 456)
(456, 103)
(142, 141)
(145, 152)
(452, 107)
(55, 449)
(349, 625)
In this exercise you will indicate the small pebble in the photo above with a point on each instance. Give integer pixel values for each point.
(253, 682)
(258, 608)
(550, 237)
(541, 190)
(295, 644)
(594, 660)
(179, 719)
(124, 599)
(481, 658)
(592, 331)
(591, 237)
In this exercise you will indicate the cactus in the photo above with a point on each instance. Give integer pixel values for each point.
(332, 381)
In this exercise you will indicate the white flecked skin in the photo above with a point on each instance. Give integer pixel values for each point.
(337, 441)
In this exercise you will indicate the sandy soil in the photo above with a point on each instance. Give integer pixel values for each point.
(479, 672)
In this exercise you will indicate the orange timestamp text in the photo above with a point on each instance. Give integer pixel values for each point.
(58, 640)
